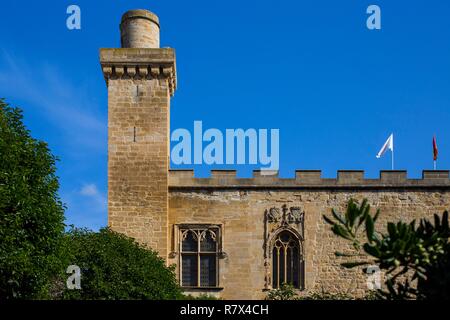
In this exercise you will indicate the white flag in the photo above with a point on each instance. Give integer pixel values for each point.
(388, 145)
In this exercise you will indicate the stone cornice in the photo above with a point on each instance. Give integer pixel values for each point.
(135, 63)
(308, 179)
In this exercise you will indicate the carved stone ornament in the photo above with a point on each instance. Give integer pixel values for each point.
(284, 217)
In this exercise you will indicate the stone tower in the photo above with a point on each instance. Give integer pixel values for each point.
(141, 78)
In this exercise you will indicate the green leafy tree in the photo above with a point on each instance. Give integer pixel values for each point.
(288, 292)
(114, 266)
(284, 292)
(415, 257)
(31, 213)
(329, 296)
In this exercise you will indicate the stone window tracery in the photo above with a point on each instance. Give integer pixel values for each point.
(199, 254)
(284, 247)
(286, 260)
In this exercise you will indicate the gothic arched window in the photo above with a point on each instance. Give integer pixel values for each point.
(199, 256)
(287, 261)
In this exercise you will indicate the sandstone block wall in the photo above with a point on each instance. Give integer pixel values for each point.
(139, 29)
(140, 82)
(239, 206)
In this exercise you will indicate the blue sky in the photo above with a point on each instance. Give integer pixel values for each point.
(335, 89)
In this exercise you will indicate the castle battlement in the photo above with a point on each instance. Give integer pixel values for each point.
(227, 179)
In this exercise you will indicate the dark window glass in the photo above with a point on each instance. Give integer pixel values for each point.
(208, 243)
(190, 242)
(286, 261)
(208, 270)
(284, 237)
(275, 268)
(282, 269)
(295, 268)
(289, 265)
(189, 267)
(199, 268)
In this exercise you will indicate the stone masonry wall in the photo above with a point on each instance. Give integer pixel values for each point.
(140, 83)
(137, 160)
(139, 29)
(240, 210)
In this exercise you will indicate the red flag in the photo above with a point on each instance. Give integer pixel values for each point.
(435, 149)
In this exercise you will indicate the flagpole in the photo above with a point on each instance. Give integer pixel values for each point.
(392, 160)
(392, 149)
(435, 152)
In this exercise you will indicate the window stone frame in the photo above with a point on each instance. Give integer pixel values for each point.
(177, 252)
(276, 221)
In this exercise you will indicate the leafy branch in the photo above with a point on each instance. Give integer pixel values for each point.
(405, 252)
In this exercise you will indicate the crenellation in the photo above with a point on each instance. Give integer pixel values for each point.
(229, 174)
(396, 176)
(348, 177)
(439, 175)
(307, 178)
